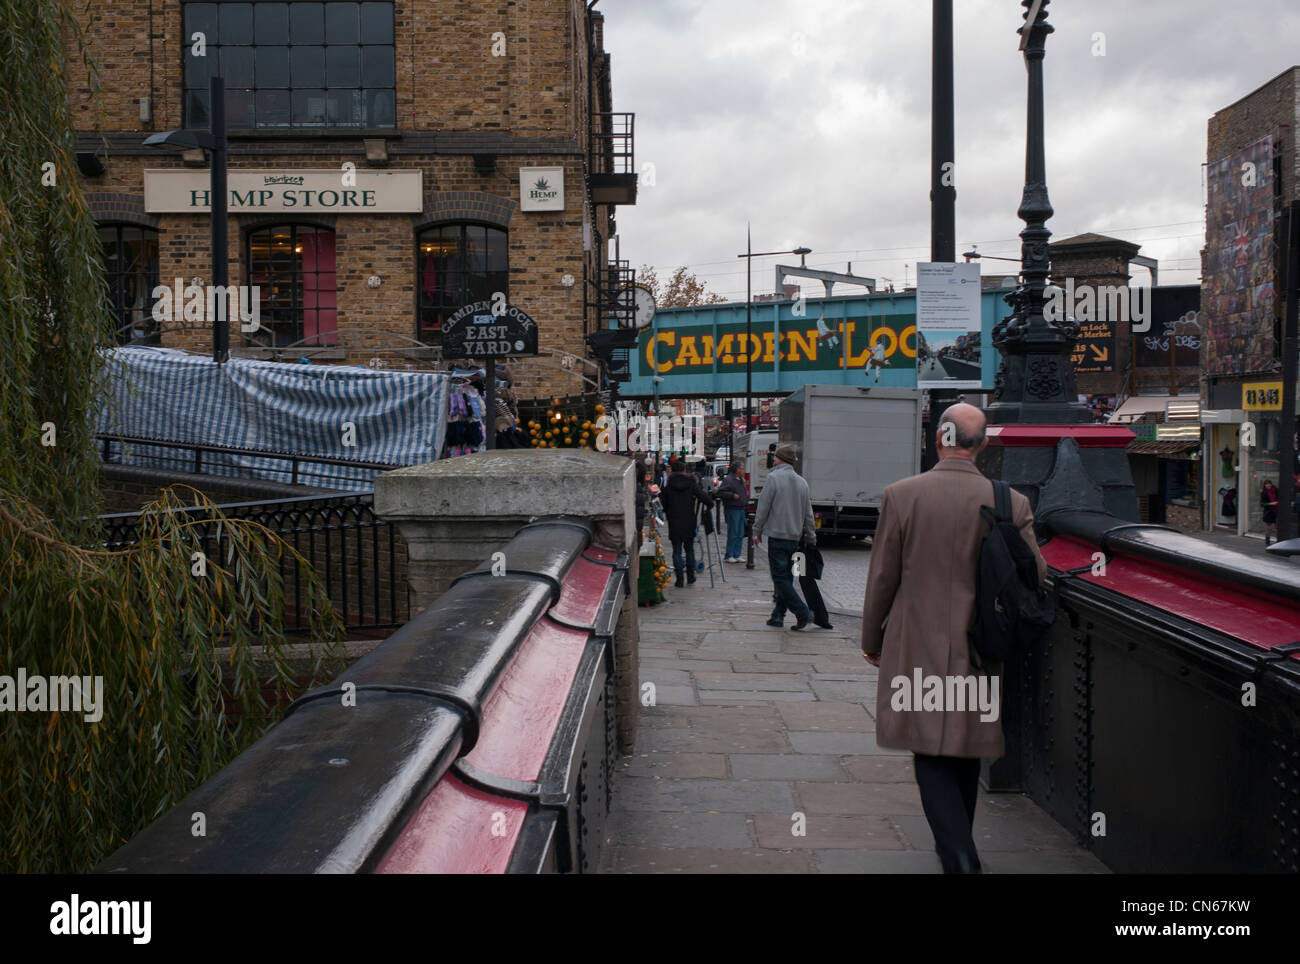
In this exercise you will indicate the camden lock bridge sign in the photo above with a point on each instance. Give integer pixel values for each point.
(489, 329)
(857, 340)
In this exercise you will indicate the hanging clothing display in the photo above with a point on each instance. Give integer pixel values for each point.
(466, 419)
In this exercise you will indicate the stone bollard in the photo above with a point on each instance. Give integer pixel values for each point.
(454, 513)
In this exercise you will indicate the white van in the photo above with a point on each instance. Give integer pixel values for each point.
(751, 453)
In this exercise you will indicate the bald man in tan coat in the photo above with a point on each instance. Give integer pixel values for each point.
(920, 603)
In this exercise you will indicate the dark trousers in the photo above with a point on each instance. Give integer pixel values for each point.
(816, 603)
(948, 786)
(779, 552)
(688, 567)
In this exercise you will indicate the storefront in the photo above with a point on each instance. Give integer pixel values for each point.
(1166, 466)
(366, 204)
(1262, 404)
(1224, 468)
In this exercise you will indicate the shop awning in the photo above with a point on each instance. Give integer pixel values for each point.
(1139, 405)
(1164, 448)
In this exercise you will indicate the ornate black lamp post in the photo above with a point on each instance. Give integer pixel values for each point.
(1035, 383)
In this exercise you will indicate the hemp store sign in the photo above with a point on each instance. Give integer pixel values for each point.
(334, 191)
(541, 189)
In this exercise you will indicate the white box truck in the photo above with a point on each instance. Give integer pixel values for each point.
(853, 441)
(752, 450)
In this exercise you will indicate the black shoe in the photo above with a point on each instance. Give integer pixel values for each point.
(679, 579)
(800, 623)
(775, 622)
(824, 625)
(690, 578)
(964, 864)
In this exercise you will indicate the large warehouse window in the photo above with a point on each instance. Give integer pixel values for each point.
(458, 264)
(293, 65)
(131, 269)
(293, 265)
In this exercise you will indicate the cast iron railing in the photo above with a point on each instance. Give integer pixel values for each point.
(613, 142)
(189, 457)
(360, 558)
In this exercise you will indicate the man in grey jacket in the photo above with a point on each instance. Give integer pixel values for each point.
(785, 514)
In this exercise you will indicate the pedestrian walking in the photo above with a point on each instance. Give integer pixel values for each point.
(785, 514)
(919, 606)
(1268, 510)
(734, 496)
(809, 573)
(680, 498)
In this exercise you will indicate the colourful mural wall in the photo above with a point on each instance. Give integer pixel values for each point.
(1237, 278)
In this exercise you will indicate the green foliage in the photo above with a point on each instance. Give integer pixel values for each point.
(54, 318)
(72, 791)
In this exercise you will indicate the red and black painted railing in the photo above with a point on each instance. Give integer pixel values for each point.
(477, 738)
(1160, 719)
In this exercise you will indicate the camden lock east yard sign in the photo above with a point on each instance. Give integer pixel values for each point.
(489, 329)
(332, 191)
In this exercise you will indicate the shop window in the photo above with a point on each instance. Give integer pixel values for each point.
(294, 65)
(131, 270)
(458, 264)
(293, 266)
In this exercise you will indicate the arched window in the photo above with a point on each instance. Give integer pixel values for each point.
(293, 266)
(131, 269)
(458, 264)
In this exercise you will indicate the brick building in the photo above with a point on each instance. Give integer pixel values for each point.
(1253, 162)
(456, 116)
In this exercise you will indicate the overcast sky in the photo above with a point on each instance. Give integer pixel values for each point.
(811, 118)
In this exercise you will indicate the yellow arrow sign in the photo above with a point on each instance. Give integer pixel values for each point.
(1100, 353)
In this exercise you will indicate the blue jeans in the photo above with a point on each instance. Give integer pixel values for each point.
(787, 597)
(735, 532)
(689, 565)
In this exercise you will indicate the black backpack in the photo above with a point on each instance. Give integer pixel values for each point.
(1011, 608)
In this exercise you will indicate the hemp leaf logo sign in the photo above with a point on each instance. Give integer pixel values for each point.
(542, 184)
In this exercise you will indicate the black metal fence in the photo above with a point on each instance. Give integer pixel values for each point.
(228, 461)
(360, 558)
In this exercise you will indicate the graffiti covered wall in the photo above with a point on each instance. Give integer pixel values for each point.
(1238, 283)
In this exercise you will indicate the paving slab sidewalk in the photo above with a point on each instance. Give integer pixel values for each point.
(759, 755)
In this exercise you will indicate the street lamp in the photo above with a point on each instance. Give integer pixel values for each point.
(973, 255)
(213, 140)
(749, 256)
(1035, 382)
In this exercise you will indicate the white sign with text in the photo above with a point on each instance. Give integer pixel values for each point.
(541, 189)
(331, 191)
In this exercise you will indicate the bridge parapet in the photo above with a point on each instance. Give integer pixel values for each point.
(1159, 720)
(478, 737)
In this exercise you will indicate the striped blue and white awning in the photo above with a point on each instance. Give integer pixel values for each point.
(391, 417)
